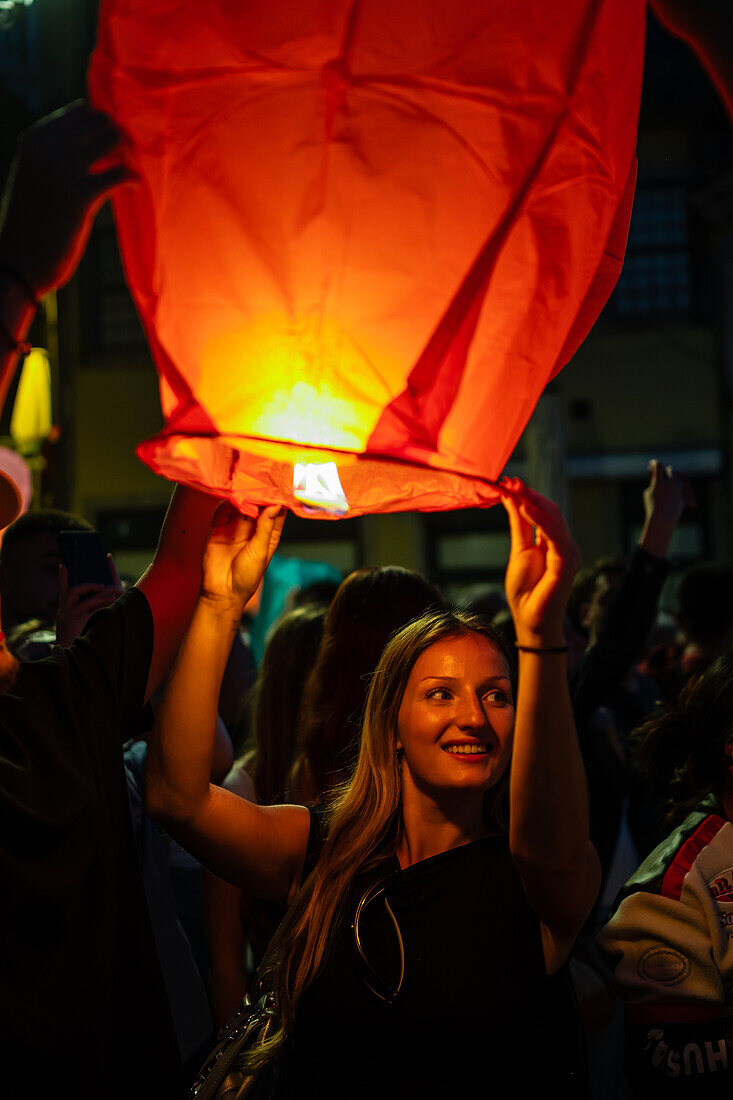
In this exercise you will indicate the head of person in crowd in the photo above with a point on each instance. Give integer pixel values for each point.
(371, 604)
(398, 750)
(684, 750)
(660, 660)
(29, 566)
(291, 647)
(503, 624)
(316, 594)
(487, 600)
(705, 614)
(592, 592)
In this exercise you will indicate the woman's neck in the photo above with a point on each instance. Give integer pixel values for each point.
(433, 825)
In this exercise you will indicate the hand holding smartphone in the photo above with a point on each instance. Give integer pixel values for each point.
(88, 582)
(85, 559)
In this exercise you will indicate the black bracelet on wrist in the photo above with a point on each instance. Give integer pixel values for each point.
(22, 282)
(542, 649)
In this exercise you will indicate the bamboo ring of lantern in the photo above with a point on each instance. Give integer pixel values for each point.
(366, 233)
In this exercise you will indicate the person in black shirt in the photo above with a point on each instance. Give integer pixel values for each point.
(83, 1008)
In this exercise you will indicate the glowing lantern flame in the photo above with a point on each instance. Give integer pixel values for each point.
(317, 486)
(369, 232)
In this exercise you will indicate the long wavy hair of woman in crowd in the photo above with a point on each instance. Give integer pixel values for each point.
(364, 819)
(290, 651)
(683, 749)
(369, 606)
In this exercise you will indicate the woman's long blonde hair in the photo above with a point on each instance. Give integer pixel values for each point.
(365, 818)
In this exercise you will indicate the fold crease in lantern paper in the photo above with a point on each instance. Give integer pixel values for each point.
(366, 233)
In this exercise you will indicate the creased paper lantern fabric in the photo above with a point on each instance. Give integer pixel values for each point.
(366, 233)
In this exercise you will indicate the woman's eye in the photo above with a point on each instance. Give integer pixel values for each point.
(441, 694)
(497, 697)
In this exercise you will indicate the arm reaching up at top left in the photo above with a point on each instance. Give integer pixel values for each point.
(64, 169)
(260, 849)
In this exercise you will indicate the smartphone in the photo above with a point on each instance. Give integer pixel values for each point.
(84, 557)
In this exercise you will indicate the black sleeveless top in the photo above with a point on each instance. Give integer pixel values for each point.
(476, 1014)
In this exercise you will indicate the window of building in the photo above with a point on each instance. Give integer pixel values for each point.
(657, 272)
(113, 322)
(466, 548)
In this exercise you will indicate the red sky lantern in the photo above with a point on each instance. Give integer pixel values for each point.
(366, 234)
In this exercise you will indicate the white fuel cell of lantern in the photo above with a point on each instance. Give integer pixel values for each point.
(317, 485)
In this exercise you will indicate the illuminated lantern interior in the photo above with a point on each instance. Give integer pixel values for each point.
(366, 233)
(31, 420)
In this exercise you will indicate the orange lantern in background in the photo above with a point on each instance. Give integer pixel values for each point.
(366, 234)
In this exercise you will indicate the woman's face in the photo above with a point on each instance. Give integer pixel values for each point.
(456, 720)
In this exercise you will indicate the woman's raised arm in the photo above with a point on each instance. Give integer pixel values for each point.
(260, 848)
(548, 817)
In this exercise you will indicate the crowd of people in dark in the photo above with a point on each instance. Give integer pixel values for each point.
(461, 850)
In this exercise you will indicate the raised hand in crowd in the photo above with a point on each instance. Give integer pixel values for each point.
(542, 565)
(65, 167)
(665, 498)
(238, 552)
(178, 770)
(548, 820)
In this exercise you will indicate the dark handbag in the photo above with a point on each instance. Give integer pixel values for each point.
(222, 1076)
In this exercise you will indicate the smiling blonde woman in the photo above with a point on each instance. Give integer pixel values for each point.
(424, 948)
